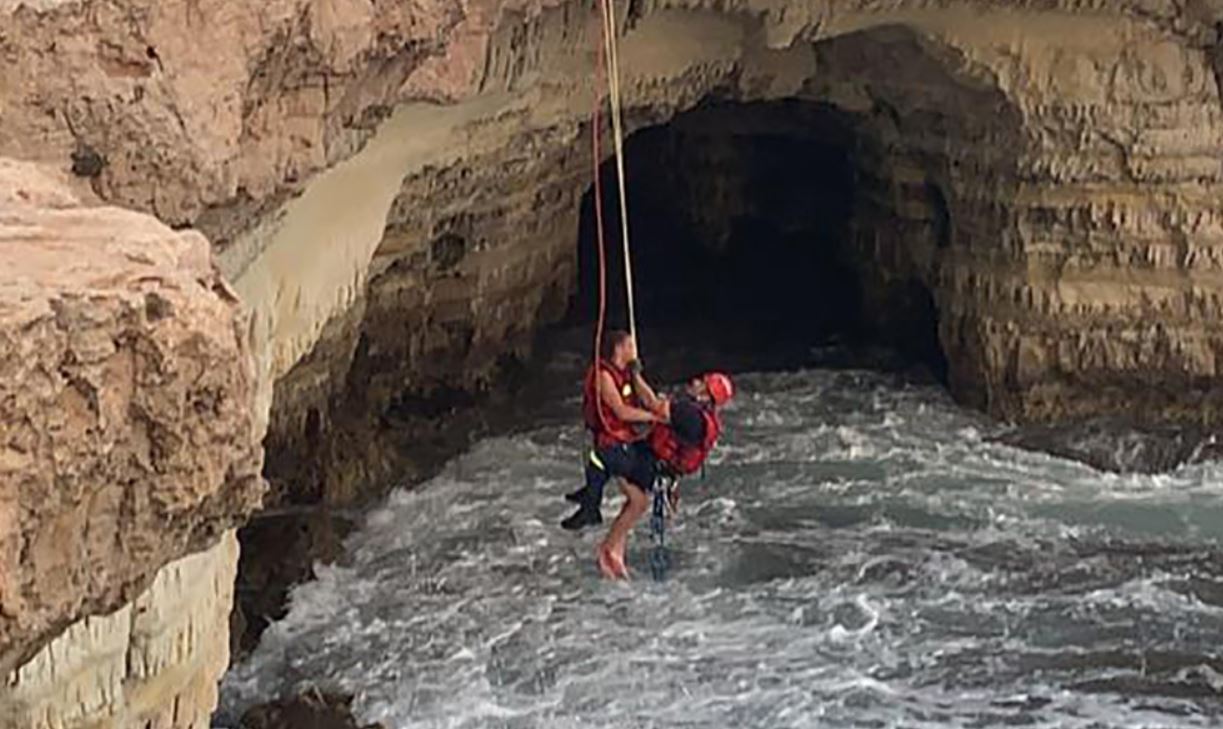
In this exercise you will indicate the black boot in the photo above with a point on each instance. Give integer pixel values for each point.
(579, 496)
(587, 515)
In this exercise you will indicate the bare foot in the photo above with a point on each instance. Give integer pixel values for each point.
(616, 557)
(611, 566)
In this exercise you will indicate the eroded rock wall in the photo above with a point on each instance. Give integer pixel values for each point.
(1101, 102)
(467, 252)
(204, 113)
(1046, 171)
(153, 663)
(1005, 154)
(1058, 197)
(451, 306)
(127, 441)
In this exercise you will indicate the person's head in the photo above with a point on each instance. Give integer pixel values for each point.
(712, 387)
(619, 347)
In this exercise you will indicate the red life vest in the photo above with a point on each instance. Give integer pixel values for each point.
(683, 458)
(608, 429)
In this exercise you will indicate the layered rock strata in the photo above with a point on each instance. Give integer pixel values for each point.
(1056, 204)
(153, 663)
(1027, 177)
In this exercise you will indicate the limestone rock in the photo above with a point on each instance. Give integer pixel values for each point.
(153, 663)
(207, 112)
(1110, 445)
(1043, 174)
(1068, 141)
(126, 435)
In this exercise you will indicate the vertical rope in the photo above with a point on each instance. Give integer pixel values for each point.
(607, 72)
(596, 158)
(613, 83)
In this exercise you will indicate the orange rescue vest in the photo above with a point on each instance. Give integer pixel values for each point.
(608, 429)
(685, 458)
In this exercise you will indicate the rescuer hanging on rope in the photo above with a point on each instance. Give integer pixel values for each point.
(678, 449)
(670, 451)
(616, 404)
(617, 397)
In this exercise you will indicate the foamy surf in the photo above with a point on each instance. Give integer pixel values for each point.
(861, 553)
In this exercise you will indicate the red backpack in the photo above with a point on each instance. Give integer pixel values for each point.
(683, 458)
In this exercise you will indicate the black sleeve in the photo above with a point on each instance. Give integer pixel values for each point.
(687, 422)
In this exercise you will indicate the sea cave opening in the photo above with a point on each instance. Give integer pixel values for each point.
(754, 233)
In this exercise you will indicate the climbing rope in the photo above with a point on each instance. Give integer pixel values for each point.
(607, 73)
(612, 57)
(597, 154)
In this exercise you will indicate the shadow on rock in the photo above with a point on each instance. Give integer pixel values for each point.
(279, 550)
(312, 710)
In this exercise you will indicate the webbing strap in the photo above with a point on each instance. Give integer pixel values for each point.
(660, 559)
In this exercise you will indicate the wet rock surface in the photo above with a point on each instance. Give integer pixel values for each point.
(313, 710)
(1120, 446)
(280, 550)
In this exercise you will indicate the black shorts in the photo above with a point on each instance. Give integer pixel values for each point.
(634, 462)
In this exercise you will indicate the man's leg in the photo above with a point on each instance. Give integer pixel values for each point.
(600, 467)
(597, 474)
(639, 472)
(611, 549)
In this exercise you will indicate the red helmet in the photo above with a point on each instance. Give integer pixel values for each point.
(720, 387)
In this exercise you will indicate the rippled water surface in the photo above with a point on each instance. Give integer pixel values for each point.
(858, 555)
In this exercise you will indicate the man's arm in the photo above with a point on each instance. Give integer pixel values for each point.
(649, 398)
(611, 397)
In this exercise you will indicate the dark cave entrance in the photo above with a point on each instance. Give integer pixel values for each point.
(748, 243)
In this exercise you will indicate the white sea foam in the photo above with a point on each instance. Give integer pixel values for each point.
(860, 554)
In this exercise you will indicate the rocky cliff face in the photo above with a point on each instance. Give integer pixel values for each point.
(1052, 145)
(1039, 177)
(1052, 203)
(394, 189)
(128, 439)
(204, 113)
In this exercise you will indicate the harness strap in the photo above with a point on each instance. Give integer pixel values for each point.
(660, 559)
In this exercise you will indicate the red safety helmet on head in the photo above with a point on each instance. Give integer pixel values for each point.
(720, 388)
